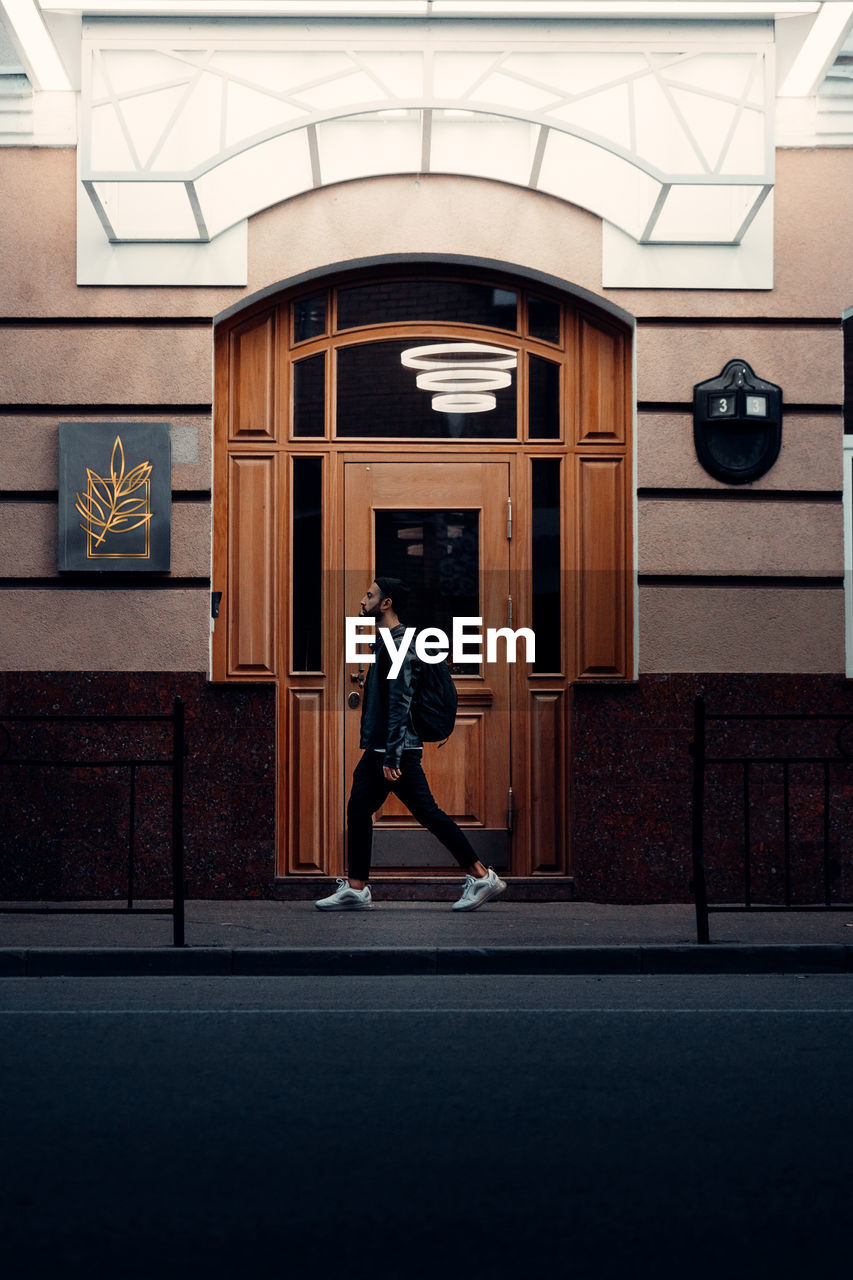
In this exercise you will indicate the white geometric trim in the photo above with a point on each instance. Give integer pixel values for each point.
(818, 51)
(625, 264)
(35, 46)
(217, 129)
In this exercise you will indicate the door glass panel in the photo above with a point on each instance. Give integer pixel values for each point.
(544, 392)
(546, 564)
(309, 317)
(543, 319)
(307, 564)
(309, 396)
(449, 301)
(378, 396)
(437, 555)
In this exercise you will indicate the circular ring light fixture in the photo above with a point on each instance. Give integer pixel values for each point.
(474, 380)
(461, 374)
(463, 402)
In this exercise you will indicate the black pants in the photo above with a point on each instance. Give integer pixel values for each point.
(370, 790)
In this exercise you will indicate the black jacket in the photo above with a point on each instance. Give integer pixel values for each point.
(386, 720)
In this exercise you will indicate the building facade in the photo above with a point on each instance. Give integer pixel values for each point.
(420, 288)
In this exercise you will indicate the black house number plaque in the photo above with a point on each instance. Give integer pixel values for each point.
(115, 497)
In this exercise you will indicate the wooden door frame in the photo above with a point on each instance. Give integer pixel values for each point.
(544, 699)
(471, 698)
(253, 448)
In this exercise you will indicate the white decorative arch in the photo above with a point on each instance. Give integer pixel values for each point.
(665, 133)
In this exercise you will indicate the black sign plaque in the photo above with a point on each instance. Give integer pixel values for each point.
(115, 497)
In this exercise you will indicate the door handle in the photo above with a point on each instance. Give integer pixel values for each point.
(354, 699)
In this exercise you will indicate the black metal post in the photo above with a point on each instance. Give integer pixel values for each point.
(699, 890)
(131, 839)
(178, 824)
(747, 838)
(786, 806)
(827, 882)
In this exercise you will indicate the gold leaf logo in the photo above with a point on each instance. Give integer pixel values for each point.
(114, 504)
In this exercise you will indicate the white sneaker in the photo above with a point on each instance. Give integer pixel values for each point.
(476, 892)
(346, 899)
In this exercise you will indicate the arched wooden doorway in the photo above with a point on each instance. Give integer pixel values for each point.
(347, 443)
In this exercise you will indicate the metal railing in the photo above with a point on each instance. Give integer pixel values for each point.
(749, 763)
(132, 762)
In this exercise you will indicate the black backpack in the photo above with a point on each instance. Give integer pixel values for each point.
(434, 704)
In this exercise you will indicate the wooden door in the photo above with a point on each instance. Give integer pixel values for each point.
(311, 391)
(441, 526)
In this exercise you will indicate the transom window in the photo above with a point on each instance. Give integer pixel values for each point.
(414, 359)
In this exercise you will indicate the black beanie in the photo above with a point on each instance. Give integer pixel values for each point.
(396, 589)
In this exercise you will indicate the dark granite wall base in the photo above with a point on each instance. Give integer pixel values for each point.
(63, 833)
(631, 789)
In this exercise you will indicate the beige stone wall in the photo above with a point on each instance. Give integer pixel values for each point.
(779, 629)
(28, 539)
(681, 536)
(86, 629)
(29, 444)
(146, 353)
(806, 361)
(809, 460)
(96, 365)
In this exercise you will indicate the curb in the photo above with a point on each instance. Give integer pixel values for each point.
(414, 961)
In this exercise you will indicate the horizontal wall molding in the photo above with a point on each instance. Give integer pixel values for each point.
(105, 582)
(100, 410)
(746, 581)
(736, 322)
(686, 406)
(825, 496)
(195, 496)
(46, 496)
(106, 322)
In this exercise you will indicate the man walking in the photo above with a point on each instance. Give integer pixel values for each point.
(392, 762)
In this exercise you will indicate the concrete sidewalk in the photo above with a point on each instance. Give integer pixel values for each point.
(424, 938)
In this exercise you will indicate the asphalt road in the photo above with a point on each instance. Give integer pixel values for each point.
(425, 1127)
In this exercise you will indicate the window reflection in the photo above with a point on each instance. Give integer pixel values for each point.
(309, 396)
(378, 397)
(546, 563)
(445, 301)
(437, 554)
(543, 319)
(307, 564)
(309, 317)
(544, 384)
